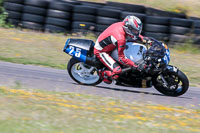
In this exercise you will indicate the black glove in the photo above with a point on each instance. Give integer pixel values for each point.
(142, 66)
(134, 67)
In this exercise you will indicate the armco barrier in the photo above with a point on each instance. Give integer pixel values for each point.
(82, 16)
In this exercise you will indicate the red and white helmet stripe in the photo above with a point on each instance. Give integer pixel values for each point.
(132, 25)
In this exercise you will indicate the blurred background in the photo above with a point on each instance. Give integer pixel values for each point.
(35, 31)
(171, 21)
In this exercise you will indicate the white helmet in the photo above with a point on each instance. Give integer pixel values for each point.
(132, 25)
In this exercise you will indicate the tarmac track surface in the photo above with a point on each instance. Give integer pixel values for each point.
(58, 80)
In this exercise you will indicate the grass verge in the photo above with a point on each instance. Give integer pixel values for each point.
(30, 110)
(30, 47)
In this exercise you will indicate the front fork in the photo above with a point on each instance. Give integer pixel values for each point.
(169, 69)
(165, 84)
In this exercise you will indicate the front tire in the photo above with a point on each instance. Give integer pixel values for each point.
(178, 83)
(83, 73)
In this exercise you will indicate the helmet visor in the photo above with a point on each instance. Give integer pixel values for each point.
(134, 31)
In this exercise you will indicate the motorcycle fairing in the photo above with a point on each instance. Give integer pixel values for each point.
(172, 69)
(166, 58)
(133, 51)
(79, 48)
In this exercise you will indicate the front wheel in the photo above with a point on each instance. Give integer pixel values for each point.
(177, 83)
(83, 73)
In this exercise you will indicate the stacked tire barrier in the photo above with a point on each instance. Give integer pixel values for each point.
(92, 4)
(196, 31)
(157, 27)
(180, 29)
(84, 18)
(128, 9)
(34, 13)
(58, 17)
(106, 17)
(14, 9)
(156, 12)
(81, 17)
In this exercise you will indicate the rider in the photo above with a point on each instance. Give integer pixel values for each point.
(115, 36)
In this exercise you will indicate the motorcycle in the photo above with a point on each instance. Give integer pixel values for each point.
(153, 66)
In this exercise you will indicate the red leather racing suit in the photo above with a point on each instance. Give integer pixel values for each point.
(113, 37)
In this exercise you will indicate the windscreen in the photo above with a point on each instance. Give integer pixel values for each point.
(134, 51)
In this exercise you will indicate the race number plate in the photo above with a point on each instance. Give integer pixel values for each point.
(75, 51)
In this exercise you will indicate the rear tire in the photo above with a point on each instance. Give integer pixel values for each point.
(78, 72)
(180, 77)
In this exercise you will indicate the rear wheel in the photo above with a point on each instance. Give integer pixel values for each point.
(177, 83)
(82, 73)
